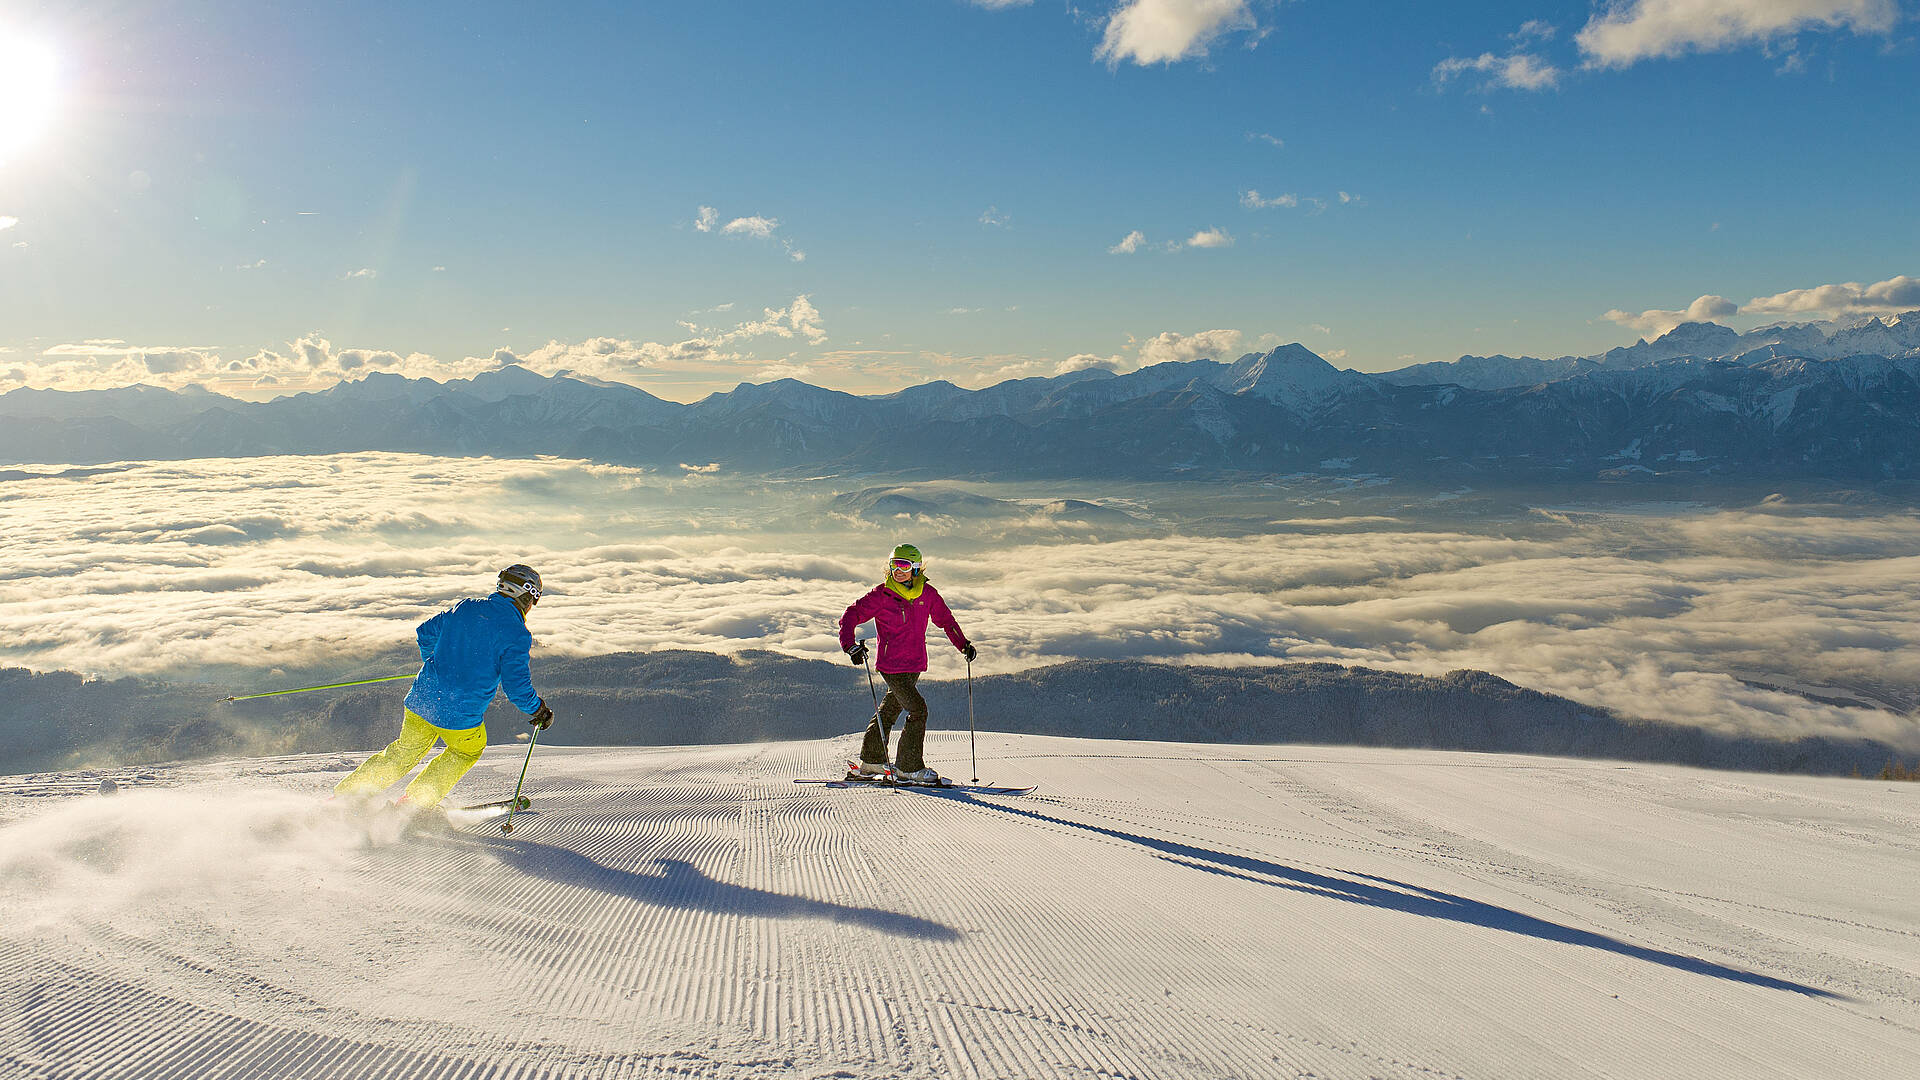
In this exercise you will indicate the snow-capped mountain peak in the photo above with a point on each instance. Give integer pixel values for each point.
(1293, 376)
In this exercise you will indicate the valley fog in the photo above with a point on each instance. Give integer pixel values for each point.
(1782, 612)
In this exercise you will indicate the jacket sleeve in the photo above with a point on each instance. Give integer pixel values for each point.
(516, 675)
(429, 634)
(943, 618)
(860, 612)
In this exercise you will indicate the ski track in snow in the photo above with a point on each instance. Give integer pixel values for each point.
(1154, 910)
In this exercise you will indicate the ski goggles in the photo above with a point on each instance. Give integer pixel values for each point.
(528, 589)
(904, 564)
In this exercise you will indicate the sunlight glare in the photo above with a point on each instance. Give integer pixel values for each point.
(27, 91)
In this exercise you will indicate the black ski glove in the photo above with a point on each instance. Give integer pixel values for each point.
(858, 654)
(542, 716)
(969, 651)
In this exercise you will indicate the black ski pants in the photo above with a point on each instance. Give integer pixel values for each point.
(902, 696)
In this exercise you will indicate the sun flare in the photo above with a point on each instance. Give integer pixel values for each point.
(28, 89)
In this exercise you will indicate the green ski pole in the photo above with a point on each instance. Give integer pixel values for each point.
(328, 686)
(514, 804)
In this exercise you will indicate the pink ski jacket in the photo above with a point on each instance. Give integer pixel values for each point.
(902, 626)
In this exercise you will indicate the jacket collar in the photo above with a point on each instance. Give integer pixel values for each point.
(511, 602)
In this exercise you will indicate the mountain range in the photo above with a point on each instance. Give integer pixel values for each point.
(1812, 400)
(676, 697)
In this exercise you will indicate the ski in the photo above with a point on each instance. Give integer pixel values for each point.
(501, 804)
(890, 779)
(461, 817)
(486, 813)
(962, 789)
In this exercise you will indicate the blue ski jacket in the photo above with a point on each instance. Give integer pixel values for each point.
(466, 653)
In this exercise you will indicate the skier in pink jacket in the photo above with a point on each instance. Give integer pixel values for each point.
(900, 607)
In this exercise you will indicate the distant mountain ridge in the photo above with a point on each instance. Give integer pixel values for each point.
(1700, 400)
(62, 720)
(1893, 337)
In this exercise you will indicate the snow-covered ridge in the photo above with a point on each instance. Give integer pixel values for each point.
(1768, 410)
(1891, 336)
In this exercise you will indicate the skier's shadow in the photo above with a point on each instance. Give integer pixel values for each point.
(678, 883)
(1412, 899)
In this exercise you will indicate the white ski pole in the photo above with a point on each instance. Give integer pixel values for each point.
(970, 741)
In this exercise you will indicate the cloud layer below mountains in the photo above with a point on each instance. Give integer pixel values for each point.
(178, 569)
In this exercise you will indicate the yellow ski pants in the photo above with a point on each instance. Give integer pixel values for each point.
(416, 738)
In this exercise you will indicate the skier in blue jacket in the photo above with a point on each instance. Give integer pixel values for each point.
(466, 652)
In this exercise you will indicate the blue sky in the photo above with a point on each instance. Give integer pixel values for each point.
(870, 195)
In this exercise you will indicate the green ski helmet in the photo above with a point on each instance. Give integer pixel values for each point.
(905, 557)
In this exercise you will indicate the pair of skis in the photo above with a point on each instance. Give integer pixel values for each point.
(891, 778)
(487, 811)
(463, 816)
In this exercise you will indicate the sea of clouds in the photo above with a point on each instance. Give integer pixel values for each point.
(187, 569)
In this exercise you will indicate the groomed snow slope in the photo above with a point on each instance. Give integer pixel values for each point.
(1155, 910)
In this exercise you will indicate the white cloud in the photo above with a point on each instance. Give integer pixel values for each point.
(1088, 362)
(1894, 295)
(8, 222)
(116, 363)
(1163, 31)
(1210, 238)
(600, 357)
(1533, 30)
(100, 363)
(1040, 367)
(1654, 322)
(1629, 31)
(1168, 346)
(999, 5)
(762, 227)
(314, 357)
(1253, 200)
(363, 272)
(1129, 243)
(993, 215)
(254, 265)
(313, 361)
(757, 226)
(783, 369)
(1261, 136)
(332, 560)
(715, 351)
(1207, 344)
(1515, 71)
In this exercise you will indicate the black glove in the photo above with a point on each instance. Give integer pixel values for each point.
(858, 654)
(542, 716)
(969, 651)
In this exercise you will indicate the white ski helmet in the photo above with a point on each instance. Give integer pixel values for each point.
(520, 580)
